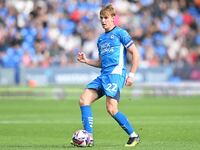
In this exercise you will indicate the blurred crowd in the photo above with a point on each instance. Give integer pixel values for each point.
(51, 33)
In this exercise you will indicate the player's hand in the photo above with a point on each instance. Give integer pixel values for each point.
(82, 57)
(129, 81)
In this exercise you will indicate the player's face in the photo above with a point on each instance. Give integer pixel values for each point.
(107, 22)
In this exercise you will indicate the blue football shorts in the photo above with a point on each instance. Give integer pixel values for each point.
(109, 85)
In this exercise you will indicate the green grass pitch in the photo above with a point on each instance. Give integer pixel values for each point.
(164, 123)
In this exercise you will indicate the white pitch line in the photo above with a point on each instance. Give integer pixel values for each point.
(34, 122)
(98, 122)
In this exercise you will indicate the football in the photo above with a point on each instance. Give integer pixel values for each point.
(81, 138)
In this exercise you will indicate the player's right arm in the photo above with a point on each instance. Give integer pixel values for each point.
(83, 59)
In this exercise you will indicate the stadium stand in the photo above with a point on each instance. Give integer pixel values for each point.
(50, 33)
(39, 33)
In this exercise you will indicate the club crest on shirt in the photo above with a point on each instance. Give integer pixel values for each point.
(112, 37)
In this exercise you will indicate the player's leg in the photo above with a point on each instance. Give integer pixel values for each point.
(112, 86)
(91, 94)
(112, 108)
(86, 99)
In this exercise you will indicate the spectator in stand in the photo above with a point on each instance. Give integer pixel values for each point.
(65, 26)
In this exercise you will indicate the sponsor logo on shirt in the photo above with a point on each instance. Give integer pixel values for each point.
(106, 48)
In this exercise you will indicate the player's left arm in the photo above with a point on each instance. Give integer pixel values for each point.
(135, 62)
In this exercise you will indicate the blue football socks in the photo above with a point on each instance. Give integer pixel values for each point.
(87, 118)
(123, 122)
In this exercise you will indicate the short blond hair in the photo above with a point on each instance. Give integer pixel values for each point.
(108, 9)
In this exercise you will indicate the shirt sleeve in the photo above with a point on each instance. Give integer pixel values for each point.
(126, 39)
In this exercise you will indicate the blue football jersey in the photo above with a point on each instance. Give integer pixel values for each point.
(112, 50)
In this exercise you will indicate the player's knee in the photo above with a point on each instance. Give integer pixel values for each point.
(83, 101)
(111, 110)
